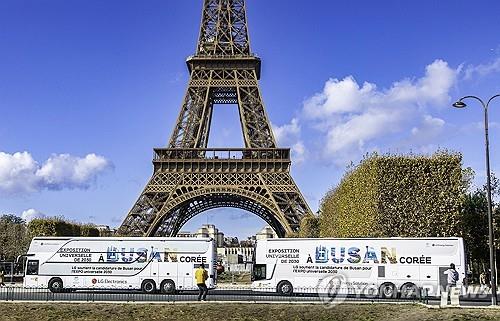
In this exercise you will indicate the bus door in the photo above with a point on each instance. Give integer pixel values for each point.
(154, 270)
(168, 270)
(186, 274)
(409, 273)
(31, 271)
(443, 278)
(32, 267)
(429, 278)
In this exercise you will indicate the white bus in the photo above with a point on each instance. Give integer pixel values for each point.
(141, 263)
(380, 266)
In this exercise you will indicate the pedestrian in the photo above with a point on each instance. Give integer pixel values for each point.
(488, 279)
(452, 277)
(201, 275)
(2, 277)
(482, 280)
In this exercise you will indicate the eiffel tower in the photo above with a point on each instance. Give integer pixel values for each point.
(190, 178)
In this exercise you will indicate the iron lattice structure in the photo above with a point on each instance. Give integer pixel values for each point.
(190, 178)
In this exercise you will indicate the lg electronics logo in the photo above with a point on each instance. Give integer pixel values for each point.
(331, 288)
(94, 281)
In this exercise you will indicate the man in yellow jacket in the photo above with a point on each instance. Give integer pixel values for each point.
(201, 275)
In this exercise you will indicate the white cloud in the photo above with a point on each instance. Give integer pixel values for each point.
(286, 133)
(17, 172)
(239, 215)
(429, 125)
(20, 173)
(423, 136)
(482, 70)
(31, 214)
(479, 126)
(359, 129)
(339, 97)
(66, 171)
(289, 135)
(352, 118)
(298, 152)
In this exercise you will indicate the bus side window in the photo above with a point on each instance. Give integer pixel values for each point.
(32, 267)
(381, 271)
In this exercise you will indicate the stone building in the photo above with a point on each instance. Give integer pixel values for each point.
(235, 256)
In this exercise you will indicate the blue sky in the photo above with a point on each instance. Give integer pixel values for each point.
(88, 88)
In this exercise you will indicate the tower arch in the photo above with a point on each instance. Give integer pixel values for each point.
(173, 218)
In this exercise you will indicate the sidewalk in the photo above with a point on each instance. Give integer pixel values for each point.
(229, 285)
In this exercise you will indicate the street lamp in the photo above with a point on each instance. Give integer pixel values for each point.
(461, 104)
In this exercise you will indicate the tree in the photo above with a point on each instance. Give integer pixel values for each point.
(13, 238)
(475, 229)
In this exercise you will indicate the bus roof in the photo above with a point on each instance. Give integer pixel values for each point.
(362, 238)
(83, 238)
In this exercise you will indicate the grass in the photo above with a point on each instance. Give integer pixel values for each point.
(234, 311)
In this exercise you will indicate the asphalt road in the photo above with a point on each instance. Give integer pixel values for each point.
(218, 295)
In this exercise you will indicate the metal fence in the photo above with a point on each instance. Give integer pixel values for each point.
(12, 271)
(221, 293)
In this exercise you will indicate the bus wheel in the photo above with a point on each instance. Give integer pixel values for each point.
(148, 286)
(387, 291)
(285, 288)
(409, 291)
(167, 287)
(56, 285)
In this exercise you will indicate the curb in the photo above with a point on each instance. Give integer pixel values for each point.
(437, 307)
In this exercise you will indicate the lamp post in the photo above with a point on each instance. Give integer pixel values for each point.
(493, 278)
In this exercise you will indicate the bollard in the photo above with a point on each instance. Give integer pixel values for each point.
(455, 296)
(7, 295)
(424, 297)
(444, 299)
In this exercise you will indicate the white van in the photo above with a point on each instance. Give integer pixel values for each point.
(145, 263)
(383, 266)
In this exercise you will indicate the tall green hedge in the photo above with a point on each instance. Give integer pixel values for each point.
(394, 195)
(89, 230)
(309, 226)
(57, 226)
